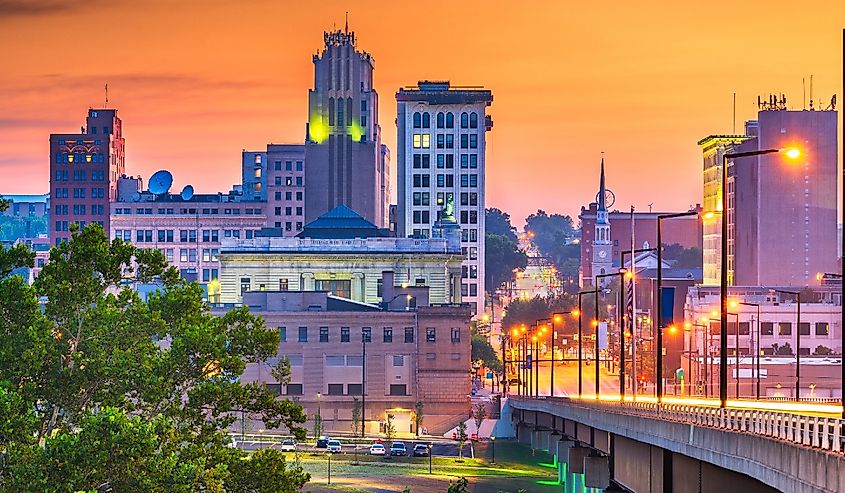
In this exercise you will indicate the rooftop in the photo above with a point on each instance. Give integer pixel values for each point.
(443, 92)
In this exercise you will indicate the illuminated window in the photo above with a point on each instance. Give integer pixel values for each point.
(70, 158)
(87, 158)
(417, 142)
(258, 172)
(426, 141)
(258, 159)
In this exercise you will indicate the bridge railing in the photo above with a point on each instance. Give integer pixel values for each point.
(821, 432)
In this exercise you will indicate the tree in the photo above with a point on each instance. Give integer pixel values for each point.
(356, 416)
(785, 350)
(552, 235)
(482, 351)
(683, 257)
(502, 256)
(479, 413)
(823, 351)
(317, 426)
(389, 432)
(93, 397)
(418, 416)
(459, 486)
(498, 222)
(461, 438)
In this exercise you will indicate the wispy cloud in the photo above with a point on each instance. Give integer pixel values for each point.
(29, 8)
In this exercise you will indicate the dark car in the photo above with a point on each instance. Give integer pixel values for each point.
(420, 450)
(323, 442)
(398, 448)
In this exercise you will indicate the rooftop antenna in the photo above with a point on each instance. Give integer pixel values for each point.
(649, 207)
(811, 92)
(107, 95)
(804, 90)
(347, 23)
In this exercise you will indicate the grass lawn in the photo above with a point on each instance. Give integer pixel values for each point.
(515, 468)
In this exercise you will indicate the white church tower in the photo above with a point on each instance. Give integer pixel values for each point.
(602, 246)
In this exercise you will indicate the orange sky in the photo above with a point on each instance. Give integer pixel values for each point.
(196, 82)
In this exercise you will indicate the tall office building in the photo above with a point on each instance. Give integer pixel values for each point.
(347, 163)
(781, 212)
(441, 163)
(84, 168)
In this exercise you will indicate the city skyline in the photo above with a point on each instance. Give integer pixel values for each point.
(192, 97)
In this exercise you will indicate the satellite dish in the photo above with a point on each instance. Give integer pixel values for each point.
(160, 182)
(187, 192)
(136, 197)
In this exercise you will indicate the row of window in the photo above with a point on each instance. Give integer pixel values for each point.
(288, 196)
(80, 193)
(423, 141)
(289, 225)
(288, 166)
(288, 211)
(447, 161)
(79, 209)
(470, 289)
(65, 226)
(785, 328)
(169, 211)
(289, 181)
(366, 334)
(80, 175)
(444, 120)
(68, 158)
(444, 180)
(185, 235)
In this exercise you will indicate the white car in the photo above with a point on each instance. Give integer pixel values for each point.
(377, 449)
(333, 447)
(288, 446)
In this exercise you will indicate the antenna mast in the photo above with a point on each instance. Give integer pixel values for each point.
(107, 95)
(734, 117)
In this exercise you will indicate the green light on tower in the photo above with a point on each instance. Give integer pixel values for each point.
(318, 129)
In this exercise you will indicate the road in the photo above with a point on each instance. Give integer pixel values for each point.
(441, 448)
(566, 379)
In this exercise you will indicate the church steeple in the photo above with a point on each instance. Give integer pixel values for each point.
(602, 204)
(602, 246)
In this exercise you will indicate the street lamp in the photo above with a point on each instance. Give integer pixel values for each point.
(581, 336)
(319, 426)
(623, 274)
(429, 457)
(757, 350)
(633, 316)
(366, 336)
(659, 363)
(493, 448)
(797, 343)
(723, 295)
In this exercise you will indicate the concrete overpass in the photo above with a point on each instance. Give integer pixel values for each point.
(681, 448)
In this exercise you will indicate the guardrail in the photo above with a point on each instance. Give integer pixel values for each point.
(821, 432)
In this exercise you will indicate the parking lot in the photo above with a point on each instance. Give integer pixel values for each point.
(439, 448)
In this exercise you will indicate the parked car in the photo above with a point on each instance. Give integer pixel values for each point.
(398, 448)
(323, 442)
(288, 446)
(377, 449)
(420, 450)
(333, 446)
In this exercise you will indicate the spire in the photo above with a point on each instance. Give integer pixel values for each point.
(602, 190)
(347, 23)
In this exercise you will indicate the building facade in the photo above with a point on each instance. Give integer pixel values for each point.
(441, 164)
(28, 206)
(277, 178)
(188, 231)
(387, 359)
(347, 163)
(84, 168)
(782, 225)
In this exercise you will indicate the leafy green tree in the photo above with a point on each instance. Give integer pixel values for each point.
(461, 437)
(102, 387)
(482, 351)
(498, 222)
(459, 486)
(389, 432)
(502, 256)
(683, 257)
(552, 235)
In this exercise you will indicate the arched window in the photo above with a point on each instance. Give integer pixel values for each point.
(417, 120)
(450, 120)
(348, 112)
(473, 120)
(331, 112)
(426, 120)
(464, 120)
(440, 120)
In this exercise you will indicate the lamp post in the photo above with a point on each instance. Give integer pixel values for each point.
(319, 426)
(429, 458)
(757, 349)
(623, 274)
(704, 354)
(365, 338)
(493, 448)
(581, 336)
(659, 360)
(723, 294)
(633, 316)
(797, 343)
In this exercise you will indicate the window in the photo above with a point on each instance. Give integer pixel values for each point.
(785, 328)
(245, 282)
(398, 389)
(430, 334)
(441, 141)
(303, 334)
(440, 120)
(353, 389)
(464, 120)
(299, 165)
(473, 289)
(767, 328)
(421, 181)
(367, 334)
(324, 334)
(294, 389)
(417, 120)
(473, 141)
(398, 360)
(388, 334)
(450, 120)
(456, 334)
(283, 284)
(821, 329)
(450, 141)
(283, 334)
(473, 120)
(426, 120)
(344, 334)
(335, 360)
(335, 389)
(274, 388)
(277, 166)
(409, 334)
